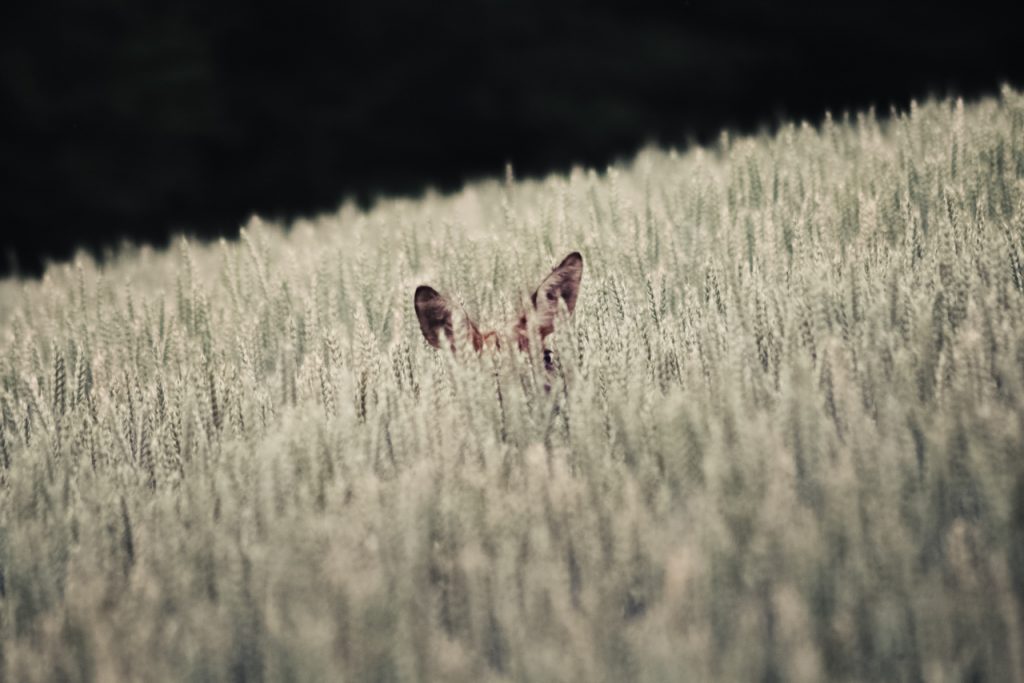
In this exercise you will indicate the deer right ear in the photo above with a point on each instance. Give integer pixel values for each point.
(563, 283)
(434, 314)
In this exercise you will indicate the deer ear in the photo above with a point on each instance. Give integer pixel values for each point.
(563, 283)
(434, 314)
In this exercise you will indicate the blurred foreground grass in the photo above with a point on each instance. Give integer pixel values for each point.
(786, 441)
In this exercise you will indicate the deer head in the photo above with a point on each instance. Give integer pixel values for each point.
(535, 322)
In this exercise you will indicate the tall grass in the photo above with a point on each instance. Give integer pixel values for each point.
(786, 439)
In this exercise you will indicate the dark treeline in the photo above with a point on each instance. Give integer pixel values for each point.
(128, 119)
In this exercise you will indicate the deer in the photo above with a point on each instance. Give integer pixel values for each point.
(534, 323)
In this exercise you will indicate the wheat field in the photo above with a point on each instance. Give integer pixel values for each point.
(784, 440)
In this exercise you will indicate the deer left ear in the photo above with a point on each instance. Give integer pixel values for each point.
(563, 283)
(434, 314)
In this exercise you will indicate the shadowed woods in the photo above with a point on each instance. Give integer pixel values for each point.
(138, 121)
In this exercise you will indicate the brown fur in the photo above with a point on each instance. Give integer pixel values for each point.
(563, 283)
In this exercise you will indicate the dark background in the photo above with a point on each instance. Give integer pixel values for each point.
(126, 118)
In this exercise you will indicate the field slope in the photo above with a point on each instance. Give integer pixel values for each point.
(786, 441)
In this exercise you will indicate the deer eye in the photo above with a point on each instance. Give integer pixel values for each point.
(548, 359)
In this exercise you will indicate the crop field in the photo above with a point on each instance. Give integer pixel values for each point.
(783, 439)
